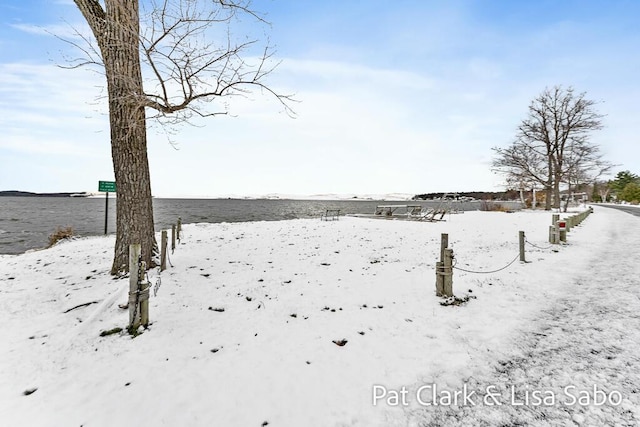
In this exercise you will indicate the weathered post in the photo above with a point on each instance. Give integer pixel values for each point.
(521, 244)
(552, 235)
(439, 278)
(444, 242)
(134, 257)
(447, 273)
(179, 228)
(163, 251)
(562, 230)
(143, 295)
(173, 237)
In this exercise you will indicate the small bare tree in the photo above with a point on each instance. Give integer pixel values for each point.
(168, 61)
(549, 142)
(602, 190)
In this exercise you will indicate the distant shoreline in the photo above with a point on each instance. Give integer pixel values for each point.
(397, 197)
(30, 194)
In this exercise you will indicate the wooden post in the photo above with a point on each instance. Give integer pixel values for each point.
(163, 251)
(552, 235)
(521, 238)
(143, 295)
(554, 219)
(134, 256)
(439, 278)
(562, 232)
(447, 273)
(444, 242)
(179, 228)
(173, 237)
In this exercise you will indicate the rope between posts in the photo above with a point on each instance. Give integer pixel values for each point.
(538, 247)
(486, 272)
(158, 282)
(169, 259)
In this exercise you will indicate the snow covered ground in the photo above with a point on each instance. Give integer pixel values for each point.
(244, 324)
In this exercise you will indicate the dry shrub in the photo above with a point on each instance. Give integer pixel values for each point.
(61, 233)
(489, 205)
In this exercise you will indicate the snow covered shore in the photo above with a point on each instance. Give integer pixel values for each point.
(245, 325)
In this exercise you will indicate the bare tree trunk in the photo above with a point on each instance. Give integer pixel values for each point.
(128, 135)
(547, 188)
(556, 192)
(547, 198)
(566, 203)
(116, 29)
(134, 204)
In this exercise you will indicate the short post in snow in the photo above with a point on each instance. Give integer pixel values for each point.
(138, 293)
(143, 290)
(134, 256)
(554, 237)
(444, 269)
(179, 228)
(521, 245)
(444, 244)
(163, 250)
(173, 237)
(448, 272)
(562, 230)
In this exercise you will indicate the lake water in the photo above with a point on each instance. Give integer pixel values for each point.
(27, 222)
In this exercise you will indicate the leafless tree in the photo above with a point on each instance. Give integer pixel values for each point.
(584, 166)
(552, 143)
(171, 61)
(524, 165)
(603, 190)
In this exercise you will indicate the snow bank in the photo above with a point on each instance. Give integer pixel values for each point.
(244, 324)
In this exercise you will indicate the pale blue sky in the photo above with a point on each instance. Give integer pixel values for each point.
(402, 96)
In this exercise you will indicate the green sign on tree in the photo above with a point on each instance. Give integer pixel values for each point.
(107, 186)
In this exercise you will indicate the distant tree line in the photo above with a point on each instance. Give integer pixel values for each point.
(479, 195)
(624, 187)
(13, 193)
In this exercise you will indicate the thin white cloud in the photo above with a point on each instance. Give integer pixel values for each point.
(63, 31)
(417, 111)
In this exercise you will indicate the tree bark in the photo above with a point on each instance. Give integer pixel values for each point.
(116, 30)
(548, 188)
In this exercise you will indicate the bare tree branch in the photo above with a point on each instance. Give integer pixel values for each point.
(553, 144)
